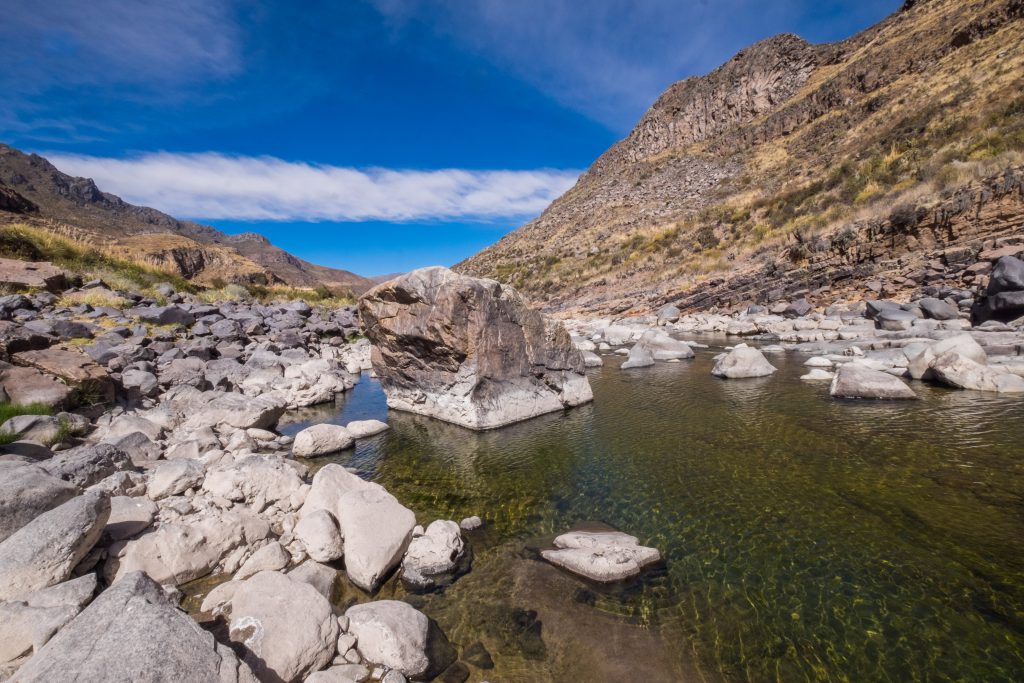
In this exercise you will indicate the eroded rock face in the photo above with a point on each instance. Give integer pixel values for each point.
(469, 351)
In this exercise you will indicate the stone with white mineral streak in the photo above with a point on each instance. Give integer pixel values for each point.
(46, 550)
(287, 628)
(469, 351)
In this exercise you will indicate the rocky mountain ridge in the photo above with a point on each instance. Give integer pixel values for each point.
(34, 192)
(765, 173)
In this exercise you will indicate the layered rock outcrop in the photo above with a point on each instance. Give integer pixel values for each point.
(469, 351)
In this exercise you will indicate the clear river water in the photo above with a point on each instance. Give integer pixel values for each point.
(805, 539)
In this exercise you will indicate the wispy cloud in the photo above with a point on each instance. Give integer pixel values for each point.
(216, 186)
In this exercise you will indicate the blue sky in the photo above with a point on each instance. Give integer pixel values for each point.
(376, 135)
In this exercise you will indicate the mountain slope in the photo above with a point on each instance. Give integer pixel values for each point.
(769, 171)
(32, 190)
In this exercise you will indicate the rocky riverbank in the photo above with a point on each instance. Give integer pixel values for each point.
(866, 349)
(148, 458)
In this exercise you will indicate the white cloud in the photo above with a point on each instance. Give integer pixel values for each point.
(216, 186)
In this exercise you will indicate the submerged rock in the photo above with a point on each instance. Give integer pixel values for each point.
(603, 556)
(469, 351)
(434, 555)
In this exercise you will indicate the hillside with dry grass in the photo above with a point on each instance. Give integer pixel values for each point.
(36, 194)
(777, 173)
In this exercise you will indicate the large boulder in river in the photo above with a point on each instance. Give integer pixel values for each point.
(131, 632)
(377, 530)
(743, 362)
(854, 380)
(469, 351)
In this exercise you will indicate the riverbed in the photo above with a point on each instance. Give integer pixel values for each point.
(804, 538)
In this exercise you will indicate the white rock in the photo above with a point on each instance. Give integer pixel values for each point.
(321, 439)
(377, 530)
(742, 362)
(601, 556)
(396, 635)
(271, 557)
(288, 628)
(175, 476)
(319, 532)
(129, 517)
(434, 553)
(360, 429)
(855, 380)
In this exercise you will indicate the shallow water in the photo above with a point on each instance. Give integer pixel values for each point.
(805, 538)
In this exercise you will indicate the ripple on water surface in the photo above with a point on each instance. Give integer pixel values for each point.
(804, 538)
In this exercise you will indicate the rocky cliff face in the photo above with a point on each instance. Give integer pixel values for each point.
(758, 169)
(32, 190)
(469, 351)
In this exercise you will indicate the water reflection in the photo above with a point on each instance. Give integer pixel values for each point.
(805, 538)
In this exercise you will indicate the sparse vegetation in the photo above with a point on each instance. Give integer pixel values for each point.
(9, 410)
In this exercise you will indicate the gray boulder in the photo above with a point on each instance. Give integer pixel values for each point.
(288, 629)
(27, 491)
(854, 380)
(958, 371)
(396, 635)
(46, 550)
(743, 362)
(88, 465)
(937, 309)
(131, 632)
(319, 532)
(377, 530)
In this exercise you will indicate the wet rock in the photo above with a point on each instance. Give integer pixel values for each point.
(601, 556)
(377, 530)
(361, 429)
(321, 439)
(288, 629)
(132, 633)
(854, 380)
(46, 550)
(396, 635)
(469, 351)
(471, 523)
(26, 492)
(477, 655)
(743, 362)
(639, 357)
(818, 375)
(433, 555)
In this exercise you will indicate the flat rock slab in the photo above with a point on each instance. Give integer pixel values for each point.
(31, 275)
(603, 556)
(27, 491)
(93, 383)
(28, 385)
